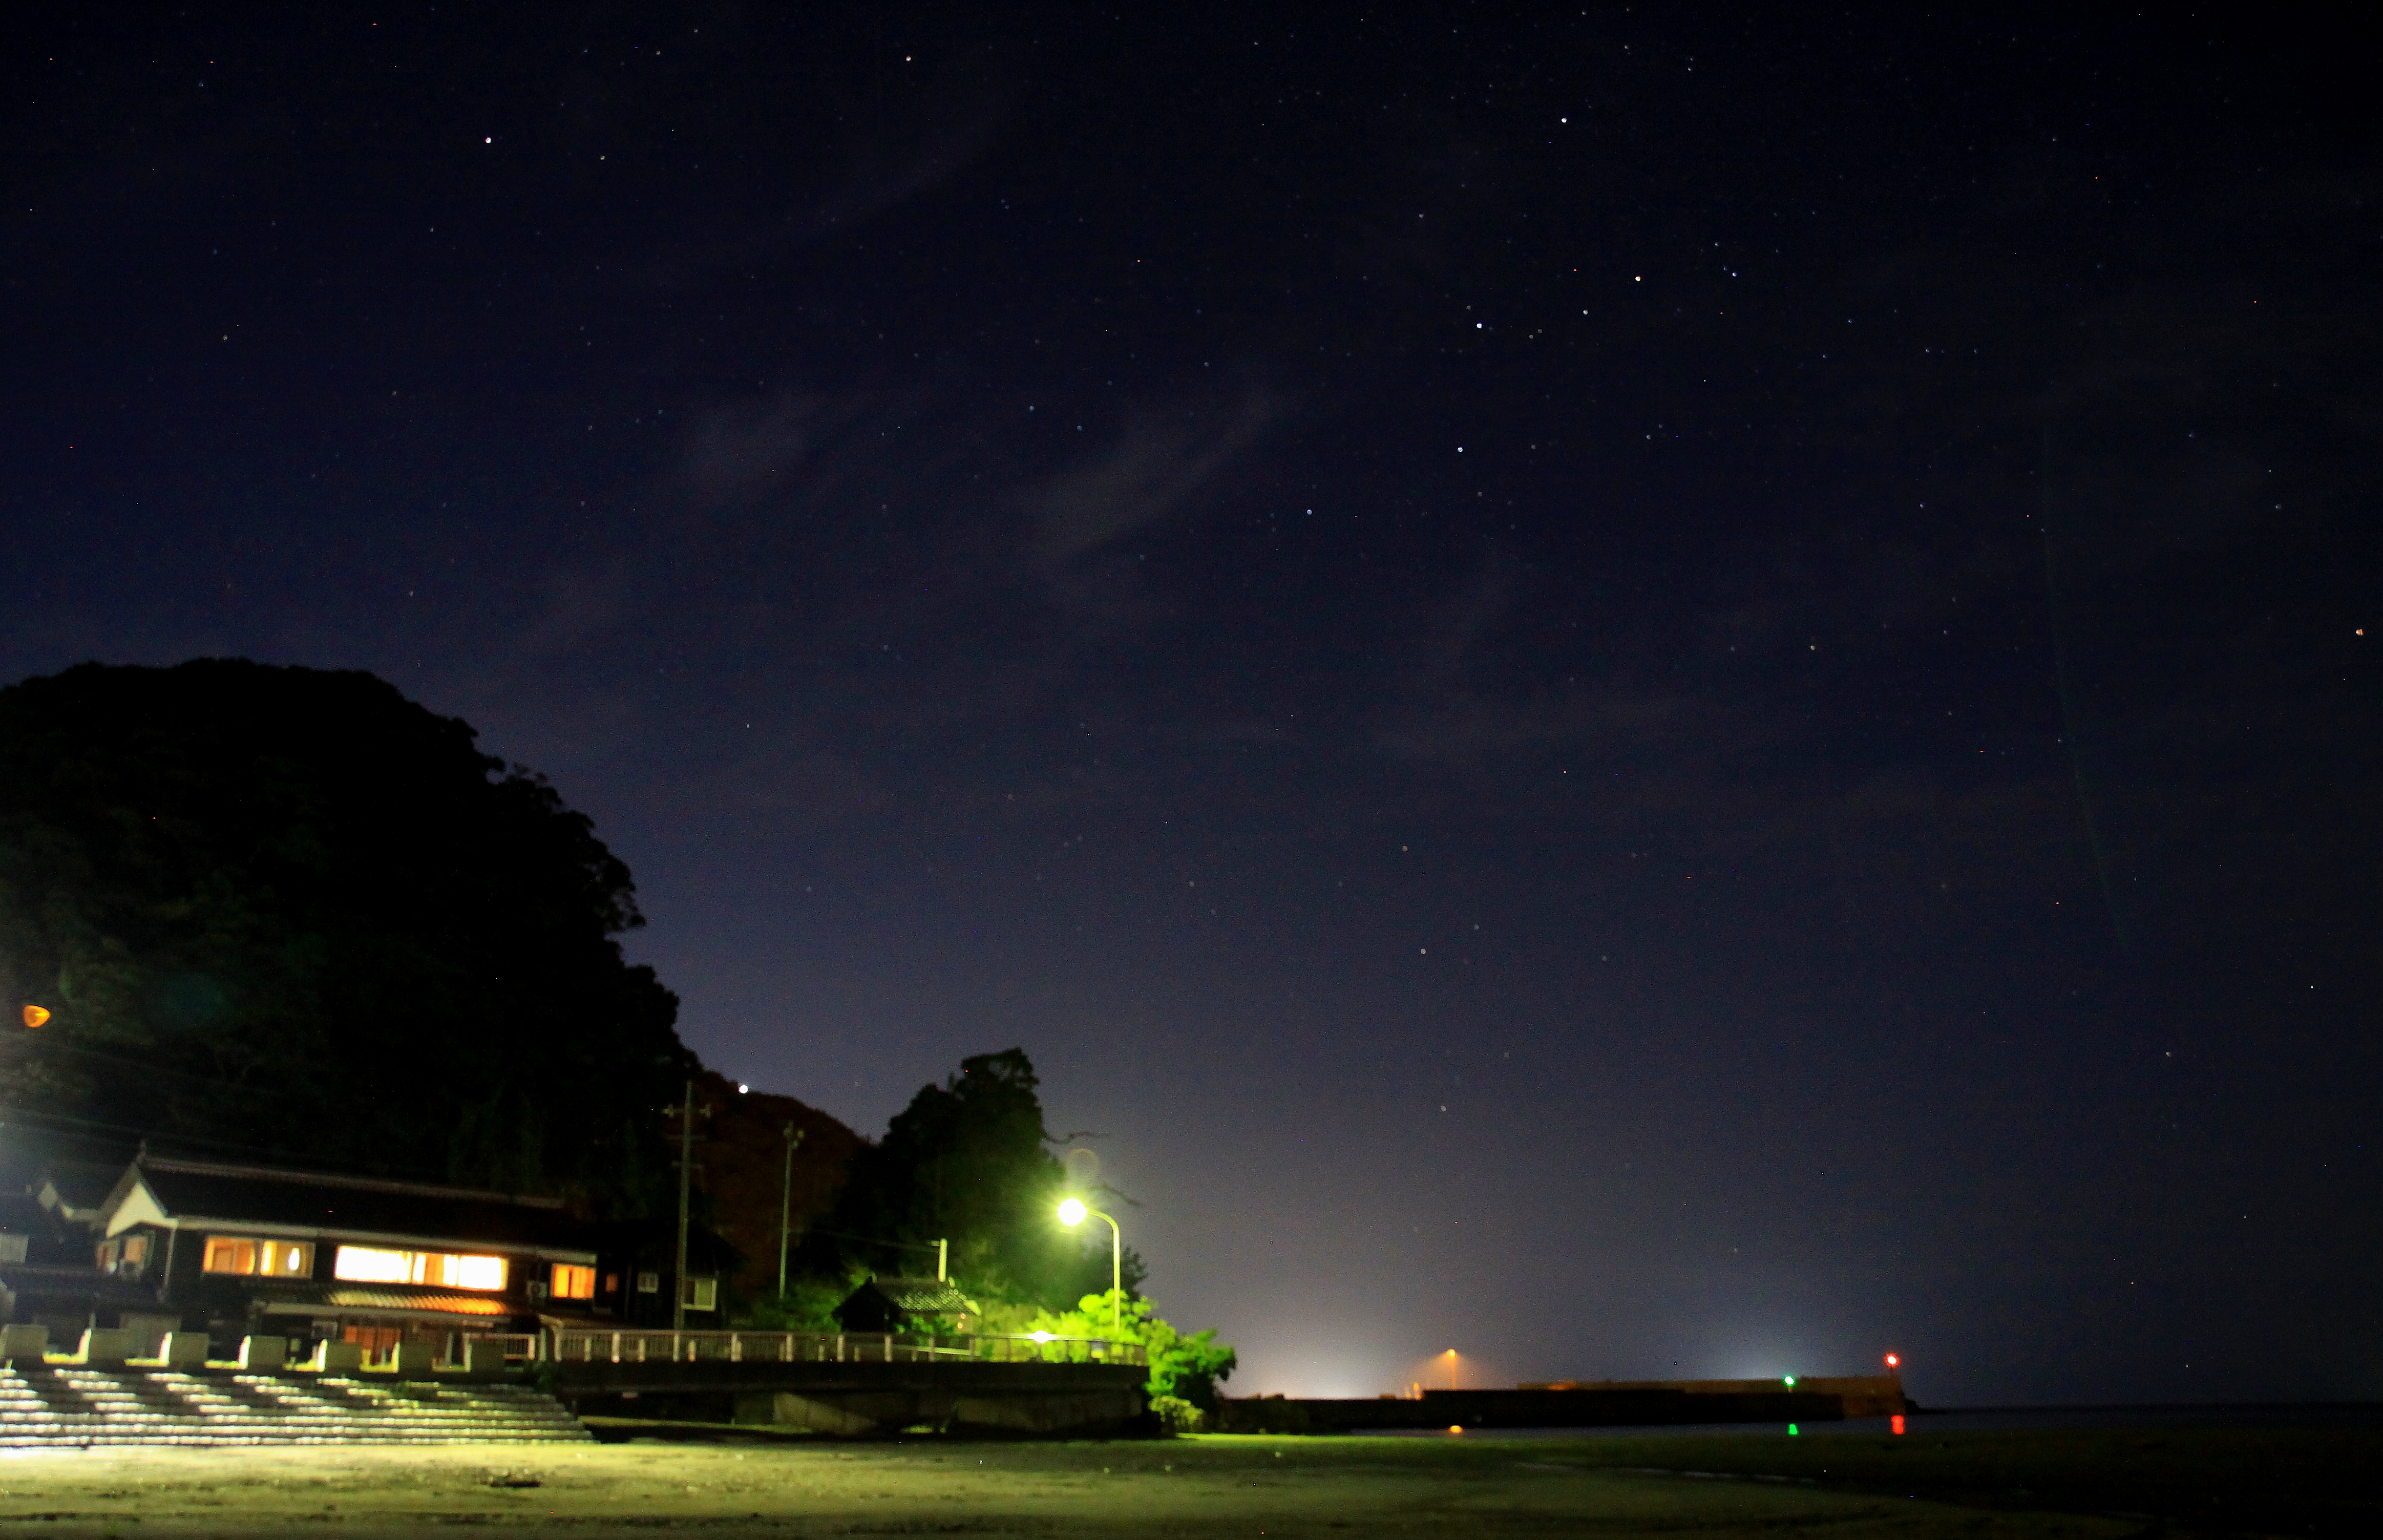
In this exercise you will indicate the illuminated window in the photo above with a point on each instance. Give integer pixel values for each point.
(364, 1264)
(265, 1259)
(136, 1249)
(227, 1255)
(12, 1247)
(472, 1272)
(573, 1282)
(369, 1264)
(701, 1293)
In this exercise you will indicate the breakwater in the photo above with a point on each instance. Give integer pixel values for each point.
(1579, 1404)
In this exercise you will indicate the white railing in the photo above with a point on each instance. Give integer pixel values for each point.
(741, 1347)
(520, 1347)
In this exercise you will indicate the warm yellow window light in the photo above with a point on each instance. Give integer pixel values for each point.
(473, 1272)
(226, 1255)
(1072, 1212)
(250, 1258)
(572, 1281)
(367, 1265)
(371, 1264)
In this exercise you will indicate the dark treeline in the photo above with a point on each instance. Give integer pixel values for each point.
(288, 915)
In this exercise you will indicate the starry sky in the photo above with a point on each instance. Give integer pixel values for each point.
(1651, 695)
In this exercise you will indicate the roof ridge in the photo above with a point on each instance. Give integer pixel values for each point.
(359, 1184)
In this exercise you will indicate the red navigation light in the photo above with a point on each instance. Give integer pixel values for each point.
(1893, 1361)
(1899, 1425)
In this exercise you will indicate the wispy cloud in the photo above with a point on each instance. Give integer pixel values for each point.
(742, 451)
(1442, 711)
(1158, 463)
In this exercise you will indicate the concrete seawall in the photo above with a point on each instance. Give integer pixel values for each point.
(860, 1400)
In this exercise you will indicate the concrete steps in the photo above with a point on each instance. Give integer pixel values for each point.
(75, 1406)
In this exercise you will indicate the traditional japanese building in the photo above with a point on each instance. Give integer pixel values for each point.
(240, 1251)
(926, 1305)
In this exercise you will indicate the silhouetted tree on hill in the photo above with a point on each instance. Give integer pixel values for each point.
(968, 1160)
(293, 914)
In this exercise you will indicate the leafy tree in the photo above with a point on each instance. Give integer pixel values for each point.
(808, 1305)
(967, 1162)
(286, 913)
(1187, 1367)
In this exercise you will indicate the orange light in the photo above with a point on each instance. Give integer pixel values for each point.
(1454, 1427)
(36, 1014)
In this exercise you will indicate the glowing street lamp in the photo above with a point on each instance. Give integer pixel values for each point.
(1073, 1212)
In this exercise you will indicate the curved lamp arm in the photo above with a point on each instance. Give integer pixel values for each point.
(1074, 1211)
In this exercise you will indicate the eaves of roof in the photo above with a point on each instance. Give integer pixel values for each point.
(478, 1309)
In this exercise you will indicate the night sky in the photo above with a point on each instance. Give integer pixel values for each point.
(1649, 695)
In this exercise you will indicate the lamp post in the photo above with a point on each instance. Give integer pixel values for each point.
(786, 1205)
(1073, 1212)
(685, 1179)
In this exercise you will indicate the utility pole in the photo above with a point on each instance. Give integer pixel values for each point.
(787, 1204)
(686, 1182)
(942, 1255)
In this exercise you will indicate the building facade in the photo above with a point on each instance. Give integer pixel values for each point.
(242, 1251)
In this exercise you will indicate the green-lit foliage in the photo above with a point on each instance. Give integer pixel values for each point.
(1186, 1367)
(969, 1161)
(1178, 1416)
(808, 1305)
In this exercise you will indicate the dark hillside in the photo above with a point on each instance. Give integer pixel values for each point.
(288, 914)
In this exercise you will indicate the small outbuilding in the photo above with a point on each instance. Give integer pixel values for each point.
(919, 1306)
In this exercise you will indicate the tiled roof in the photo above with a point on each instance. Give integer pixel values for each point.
(336, 1297)
(922, 1296)
(260, 1195)
(378, 1298)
